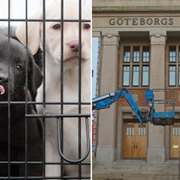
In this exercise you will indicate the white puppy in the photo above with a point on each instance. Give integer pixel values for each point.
(70, 79)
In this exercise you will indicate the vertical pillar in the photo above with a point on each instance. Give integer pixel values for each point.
(108, 83)
(156, 146)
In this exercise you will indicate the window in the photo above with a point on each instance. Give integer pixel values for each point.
(176, 130)
(174, 66)
(135, 66)
(145, 76)
(136, 53)
(126, 54)
(172, 53)
(145, 53)
(126, 72)
(141, 130)
(135, 75)
(172, 75)
(130, 130)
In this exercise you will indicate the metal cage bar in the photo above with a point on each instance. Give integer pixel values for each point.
(44, 87)
(60, 117)
(79, 110)
(9, 113)
(26, 111)
(61, 85)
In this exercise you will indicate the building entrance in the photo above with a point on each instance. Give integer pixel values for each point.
(135, 140)
(174, 140)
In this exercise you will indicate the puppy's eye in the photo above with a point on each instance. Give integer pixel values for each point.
(86, 26)
(19, 67)
(56, 26)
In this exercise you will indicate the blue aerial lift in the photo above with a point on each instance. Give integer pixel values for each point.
(156, 118)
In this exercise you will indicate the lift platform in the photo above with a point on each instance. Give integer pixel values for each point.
(160, 118)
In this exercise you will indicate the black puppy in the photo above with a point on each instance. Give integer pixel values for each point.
(13, 58)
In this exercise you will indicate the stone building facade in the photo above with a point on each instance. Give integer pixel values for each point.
(139, 49)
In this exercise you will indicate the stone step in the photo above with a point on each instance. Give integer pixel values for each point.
(106, 176)
(136, 171)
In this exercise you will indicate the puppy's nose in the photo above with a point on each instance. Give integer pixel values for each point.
(74, 46)
(3, 79)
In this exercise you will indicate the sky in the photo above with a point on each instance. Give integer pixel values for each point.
(94, 64)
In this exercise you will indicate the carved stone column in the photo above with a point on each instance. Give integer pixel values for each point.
(108, 83)
(156, 146)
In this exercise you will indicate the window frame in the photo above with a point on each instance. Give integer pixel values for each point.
(132, 63)
(176, 63)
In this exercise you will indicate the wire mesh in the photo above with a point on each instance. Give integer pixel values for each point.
(20, 168)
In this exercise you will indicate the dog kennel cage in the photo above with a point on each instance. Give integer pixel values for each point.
(9, 31)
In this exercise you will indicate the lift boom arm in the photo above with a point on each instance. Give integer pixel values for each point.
(104, 101)
(156, 118)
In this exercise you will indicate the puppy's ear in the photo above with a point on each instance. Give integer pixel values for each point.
(33, 32)
(34, 77)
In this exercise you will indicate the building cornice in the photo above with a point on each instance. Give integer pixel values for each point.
(113, 9)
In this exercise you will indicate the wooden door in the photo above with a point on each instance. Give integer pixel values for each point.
(174, 140)
(141, 140)
(135, 140)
